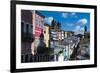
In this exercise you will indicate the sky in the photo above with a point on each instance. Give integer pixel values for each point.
(70, 21)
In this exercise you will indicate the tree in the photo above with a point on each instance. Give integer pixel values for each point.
(59, 25)
(53, 23)
(85, 28)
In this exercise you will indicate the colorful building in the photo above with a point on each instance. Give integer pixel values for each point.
(32, 25)
(62, 34)
(46, 34)
(38, 23)
(66, 35)
(36, 36)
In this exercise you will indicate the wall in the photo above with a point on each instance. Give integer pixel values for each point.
(46, 35)
(5, 37)
(26, 17)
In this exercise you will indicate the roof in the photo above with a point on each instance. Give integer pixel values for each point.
(40, 14)
(70, 40)
(45, 24)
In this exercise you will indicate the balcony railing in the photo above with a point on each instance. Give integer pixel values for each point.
(36, 58)
(27, 37)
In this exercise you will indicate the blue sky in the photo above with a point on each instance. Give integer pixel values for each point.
(70, 21)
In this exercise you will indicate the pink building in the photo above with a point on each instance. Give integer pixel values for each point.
(38, 25)
(59, 35)
(31, 28)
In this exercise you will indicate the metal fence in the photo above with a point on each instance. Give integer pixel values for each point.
(36, 58)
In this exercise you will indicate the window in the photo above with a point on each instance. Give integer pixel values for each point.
(22, 26)
(27, 28)
(36, 19)
(31, 29)
(44, 31)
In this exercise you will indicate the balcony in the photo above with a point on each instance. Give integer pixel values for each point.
(27, 37)
(26, 32)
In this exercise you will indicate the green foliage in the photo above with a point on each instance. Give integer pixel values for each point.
(85, 41)
(60, 52)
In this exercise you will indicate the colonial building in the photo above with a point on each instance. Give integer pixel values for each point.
(66, 34)
(62, 34)
(46, 34)
(32, 26)
(38, 23)
(27, 36)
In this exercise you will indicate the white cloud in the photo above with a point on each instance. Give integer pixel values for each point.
(79, 30)
(82, 21)
(82, 29)
(73, 14)
(64, 15)
(48, 20)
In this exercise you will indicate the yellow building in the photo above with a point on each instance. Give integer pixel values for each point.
(46, 34)
(66, 34)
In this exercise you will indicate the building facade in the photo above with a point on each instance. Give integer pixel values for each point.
(38, 23)
(66, 34)
(27, 36)
(46, 34)
(32, 26)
